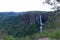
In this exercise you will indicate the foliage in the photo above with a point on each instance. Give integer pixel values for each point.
(4, 36)
(35, 36)
(55, 35)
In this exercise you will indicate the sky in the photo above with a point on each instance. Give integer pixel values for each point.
(23, 5)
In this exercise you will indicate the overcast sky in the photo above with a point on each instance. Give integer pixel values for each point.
(23, 5)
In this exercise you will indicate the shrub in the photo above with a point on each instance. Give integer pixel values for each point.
(55, 35)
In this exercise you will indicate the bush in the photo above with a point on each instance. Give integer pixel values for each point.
(55, 35)
(40, 35)
(4, 36)
(9, 37)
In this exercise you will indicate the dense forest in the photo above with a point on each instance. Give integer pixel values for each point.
(14, 26)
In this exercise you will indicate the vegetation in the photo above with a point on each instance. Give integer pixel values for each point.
(26, 26)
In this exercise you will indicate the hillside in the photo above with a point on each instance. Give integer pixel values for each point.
(27, 25)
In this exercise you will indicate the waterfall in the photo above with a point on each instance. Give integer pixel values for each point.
(41, 23)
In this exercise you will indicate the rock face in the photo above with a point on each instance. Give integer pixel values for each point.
(34, 17)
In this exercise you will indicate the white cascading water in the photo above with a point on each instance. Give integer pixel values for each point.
(41, 23)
